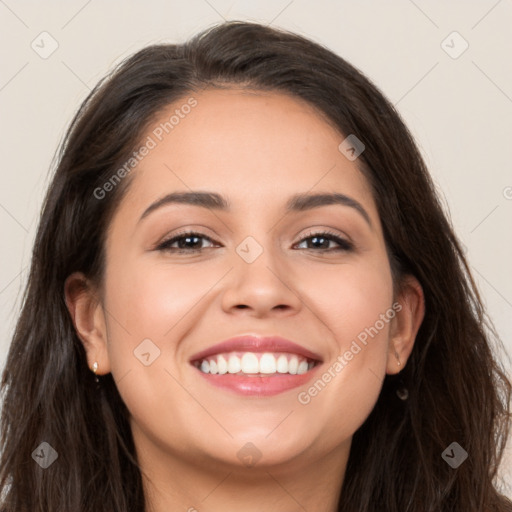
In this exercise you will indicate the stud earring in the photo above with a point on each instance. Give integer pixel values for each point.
(94, 370)
(401, 392)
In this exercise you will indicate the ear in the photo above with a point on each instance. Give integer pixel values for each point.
(88, 318)
(410, 311)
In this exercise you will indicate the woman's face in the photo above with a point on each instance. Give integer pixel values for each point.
(253, 268)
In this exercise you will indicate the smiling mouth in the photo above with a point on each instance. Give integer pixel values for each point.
(255, 364)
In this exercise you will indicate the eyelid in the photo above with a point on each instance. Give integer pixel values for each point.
(186, 231)
(344, 243)
(327, 231)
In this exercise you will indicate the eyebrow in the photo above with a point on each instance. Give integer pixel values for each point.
(296, 203)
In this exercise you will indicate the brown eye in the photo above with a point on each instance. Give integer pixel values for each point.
(187, 242)
(322, 239)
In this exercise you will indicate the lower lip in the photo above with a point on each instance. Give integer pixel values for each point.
(259, 385)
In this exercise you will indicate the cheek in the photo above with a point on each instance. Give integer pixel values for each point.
(149, 300)
(156, 302)
(154, 307)
(350, 298)
(164, 303)
(355, 303)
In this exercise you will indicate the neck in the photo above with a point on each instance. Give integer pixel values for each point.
(173, 484)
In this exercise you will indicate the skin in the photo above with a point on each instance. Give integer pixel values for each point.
(256, 149)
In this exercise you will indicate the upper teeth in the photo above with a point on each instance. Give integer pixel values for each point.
(253, 363)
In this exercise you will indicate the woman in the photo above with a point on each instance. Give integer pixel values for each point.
(245, 294)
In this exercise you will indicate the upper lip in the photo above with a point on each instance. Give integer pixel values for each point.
(252, 343)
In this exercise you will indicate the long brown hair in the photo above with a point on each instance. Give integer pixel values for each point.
(458, 390)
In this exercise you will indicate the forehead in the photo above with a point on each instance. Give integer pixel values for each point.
(255, 147)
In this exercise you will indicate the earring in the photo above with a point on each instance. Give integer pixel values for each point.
(94, 370)
(402, 392)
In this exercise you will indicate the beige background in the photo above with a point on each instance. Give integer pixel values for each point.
(457, 103)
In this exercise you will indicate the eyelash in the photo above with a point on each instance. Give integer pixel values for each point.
(344, 245)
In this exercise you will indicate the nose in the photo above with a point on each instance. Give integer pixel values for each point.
(265, 286)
